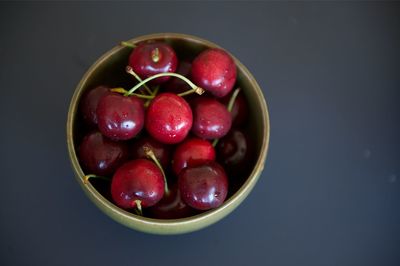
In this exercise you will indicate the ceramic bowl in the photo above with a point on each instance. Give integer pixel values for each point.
(110, 68)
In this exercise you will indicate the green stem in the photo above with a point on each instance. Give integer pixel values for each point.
(138, 204)
(186, 93)
(129, 70)
(119, 90)
(123, 91)
(232, 99)
(151, 154)
(156, 91)
(87, 177)
(142, 96)
(197, 89)
(147, 103)
(155, 55)
(128, 44)
(215, 142)
(229, 107)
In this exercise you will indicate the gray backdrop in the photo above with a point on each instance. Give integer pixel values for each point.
(330, 191)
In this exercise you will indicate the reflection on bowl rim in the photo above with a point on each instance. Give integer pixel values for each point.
(167, 226)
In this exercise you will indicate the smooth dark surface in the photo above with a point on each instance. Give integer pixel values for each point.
(330, 192)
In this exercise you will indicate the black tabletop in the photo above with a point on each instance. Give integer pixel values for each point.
(330, 191)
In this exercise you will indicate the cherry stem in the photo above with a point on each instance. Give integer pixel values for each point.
(199, 91)
(146, 104)
(138, 208)
(87, 177)
(155, 55)
(196, 89)
(232, 99)
(151, 154)
(130, 71)
(215, 142)
(118, 90)
(127, 44)
(143, 96)
(123, 91)
(156, 91)
(153, 95)
(229, 107)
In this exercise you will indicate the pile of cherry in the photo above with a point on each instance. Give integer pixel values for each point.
(167, 146)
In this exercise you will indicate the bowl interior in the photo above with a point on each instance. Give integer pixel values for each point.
(110, 70)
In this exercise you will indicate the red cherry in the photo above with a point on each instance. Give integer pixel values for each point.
(136, 180)
(215, 71)
(211, 119)
(120, 117)
(101, 156)
(233, 150)
(239, 110)
(89, 104)
(203, 187)
(235, 153)
(192, 152)
(161, 151)
(148, 59)
(169, 118)
(171, 206)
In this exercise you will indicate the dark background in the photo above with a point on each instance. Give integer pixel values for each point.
(330, 192)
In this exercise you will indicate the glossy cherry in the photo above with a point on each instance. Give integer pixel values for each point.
(240, 109)
(169, 118)
(137, 180)
(89, 104)
(120, 117)
(101, 156)
(161, 151)
(211, 119)
(234, 150)
(150, 58)
(235, 153)
(176, 85)
(192, 152)
(171, 206)
(215, 71)
(203, 187)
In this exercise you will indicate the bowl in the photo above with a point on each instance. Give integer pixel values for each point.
(111, 68)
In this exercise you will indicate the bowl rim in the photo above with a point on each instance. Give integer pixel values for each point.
(167, 226)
